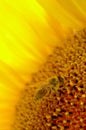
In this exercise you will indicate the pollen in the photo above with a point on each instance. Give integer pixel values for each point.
(64, 121)
(65, 108)
(48, 117)
(83, 95)
(82, 103)
(81, 120)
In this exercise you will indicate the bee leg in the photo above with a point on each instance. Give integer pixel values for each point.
(49, 92)
(53, 89)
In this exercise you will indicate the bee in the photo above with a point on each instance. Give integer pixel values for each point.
(52, 84)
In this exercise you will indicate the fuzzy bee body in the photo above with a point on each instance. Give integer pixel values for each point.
(51, 85)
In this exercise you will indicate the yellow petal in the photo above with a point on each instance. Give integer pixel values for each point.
(29, 30)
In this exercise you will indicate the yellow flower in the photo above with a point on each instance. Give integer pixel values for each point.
(29, 30)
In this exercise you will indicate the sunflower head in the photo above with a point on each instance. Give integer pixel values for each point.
(64, 108)
(29, 32)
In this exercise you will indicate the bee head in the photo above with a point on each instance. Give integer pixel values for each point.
(54, 81)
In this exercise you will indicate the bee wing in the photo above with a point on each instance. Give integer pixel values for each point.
(41, 93)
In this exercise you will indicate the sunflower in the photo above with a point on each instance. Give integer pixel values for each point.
(38, 40)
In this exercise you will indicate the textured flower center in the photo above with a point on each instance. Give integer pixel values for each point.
(64, 108)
